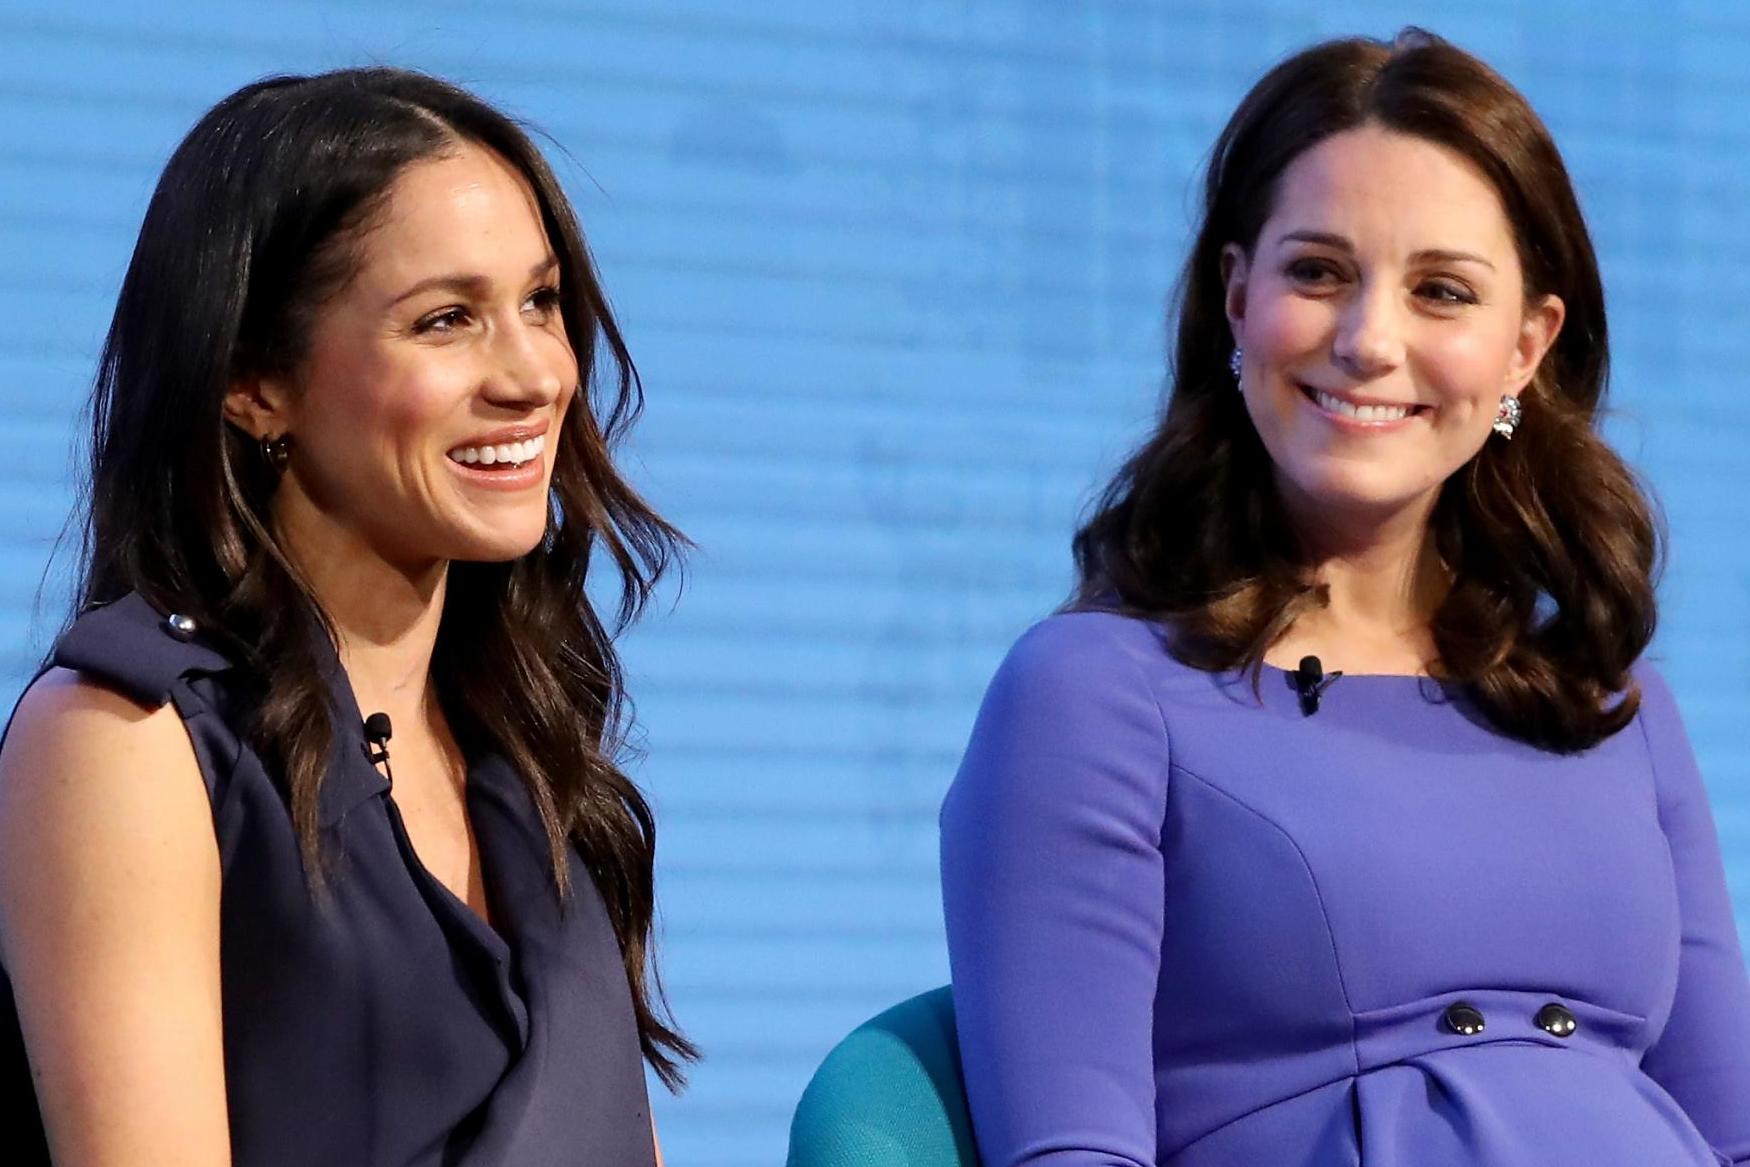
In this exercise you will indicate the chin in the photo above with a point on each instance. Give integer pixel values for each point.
(1361, 490)
(497, 551)
(496, 546)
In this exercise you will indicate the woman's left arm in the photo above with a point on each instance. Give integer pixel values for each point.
(1703, 1056)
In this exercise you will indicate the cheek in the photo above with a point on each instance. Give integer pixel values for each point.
(564, 360)
(377, 414)
(1468, 363)
(1281, 326)
(408, 415)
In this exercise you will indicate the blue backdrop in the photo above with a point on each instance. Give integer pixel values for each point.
(894, 271)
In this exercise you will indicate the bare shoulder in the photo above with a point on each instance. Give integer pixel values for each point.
(65, 711)
(88, 777)
(72, 736)
(109, 925)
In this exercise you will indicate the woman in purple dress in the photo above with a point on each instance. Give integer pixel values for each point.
(352, 457)
(1338, 820)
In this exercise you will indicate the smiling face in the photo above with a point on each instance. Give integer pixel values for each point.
(1383, 315)
(427, 412)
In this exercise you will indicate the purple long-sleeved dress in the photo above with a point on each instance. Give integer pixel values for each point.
(1188, 929)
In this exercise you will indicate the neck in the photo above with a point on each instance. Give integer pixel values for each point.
(385, 615)
(1384, 579)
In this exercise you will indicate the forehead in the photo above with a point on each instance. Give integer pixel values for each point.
(466, 211)
(1384, 188)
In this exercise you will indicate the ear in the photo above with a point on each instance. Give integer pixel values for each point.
(1537, 331)
(1234, 269)
(259, 406)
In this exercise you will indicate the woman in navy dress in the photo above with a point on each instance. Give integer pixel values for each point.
(1209, 903)
(351, 462)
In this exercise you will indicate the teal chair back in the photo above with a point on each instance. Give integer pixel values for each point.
(889, 1095)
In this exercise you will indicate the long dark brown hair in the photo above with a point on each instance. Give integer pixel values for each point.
(253, 226)
(1551, 546)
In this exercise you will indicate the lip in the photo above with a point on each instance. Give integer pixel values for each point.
(532, 473)
(529, 474)
(1355, 424)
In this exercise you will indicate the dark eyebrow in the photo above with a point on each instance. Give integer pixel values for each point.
(470, 283)
(1322, 238)
(1428, 255)
(1441, 255)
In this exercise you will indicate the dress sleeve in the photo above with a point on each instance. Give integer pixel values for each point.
(1052, 889)
(1702, 1058)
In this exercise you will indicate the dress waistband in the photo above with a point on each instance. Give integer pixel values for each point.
(1459, 1020)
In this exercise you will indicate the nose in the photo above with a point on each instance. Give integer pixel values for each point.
(1370, 337)
(529, 366)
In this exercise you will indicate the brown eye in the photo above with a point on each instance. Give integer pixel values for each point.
(441, 321)
(1312, 271)
(1446, 292)
(544, 300)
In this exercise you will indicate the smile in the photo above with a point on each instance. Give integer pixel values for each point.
(1371, 414)
(508, 454)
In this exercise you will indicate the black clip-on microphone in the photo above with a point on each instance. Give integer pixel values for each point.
(1310, 681)
(377, 733)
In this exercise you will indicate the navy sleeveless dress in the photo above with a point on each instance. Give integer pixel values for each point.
(386, 1023)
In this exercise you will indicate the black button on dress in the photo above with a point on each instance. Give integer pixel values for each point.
(1557, 1020)
(387, 1023)
(1464, 1019)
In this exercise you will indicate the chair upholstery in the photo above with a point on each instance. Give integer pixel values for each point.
(889, 1094)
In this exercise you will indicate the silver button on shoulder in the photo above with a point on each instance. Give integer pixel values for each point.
(179, 626)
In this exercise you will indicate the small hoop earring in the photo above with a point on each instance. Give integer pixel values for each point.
(1508, 417)
(276, 452)
(1235, 362)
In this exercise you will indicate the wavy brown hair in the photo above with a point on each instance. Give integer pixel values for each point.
(1549, 542)
(253, 225)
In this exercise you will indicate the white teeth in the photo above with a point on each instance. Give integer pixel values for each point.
(1343, 408)
(509, 453)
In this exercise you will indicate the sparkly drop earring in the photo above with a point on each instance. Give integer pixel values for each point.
(1508, 416)
(1234, 363)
